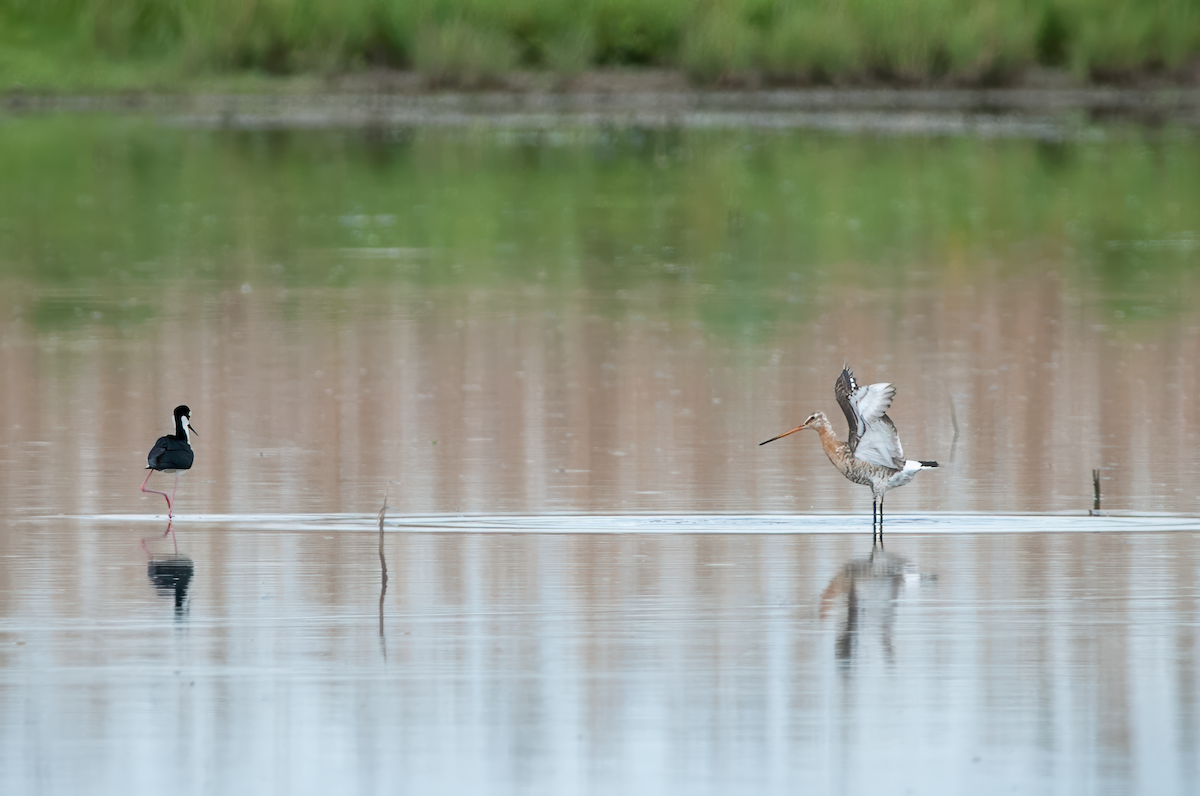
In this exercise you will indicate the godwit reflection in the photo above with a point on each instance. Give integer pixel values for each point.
(864, 593)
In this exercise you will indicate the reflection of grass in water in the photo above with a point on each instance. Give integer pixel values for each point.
(58, 313)
(1146, 278)
(750, 224)
(112, 43)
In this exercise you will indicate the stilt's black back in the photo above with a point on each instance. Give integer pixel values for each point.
(170, 453)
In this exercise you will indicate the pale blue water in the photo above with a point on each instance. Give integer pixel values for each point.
(568, 654)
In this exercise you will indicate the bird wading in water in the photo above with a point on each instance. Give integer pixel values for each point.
(172, 453)
(873, 455)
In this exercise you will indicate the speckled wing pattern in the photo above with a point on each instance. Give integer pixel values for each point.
(843, 388)
(873, 436)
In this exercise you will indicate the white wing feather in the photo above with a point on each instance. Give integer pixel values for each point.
(881, 445)
(871, 403)
(878, 441)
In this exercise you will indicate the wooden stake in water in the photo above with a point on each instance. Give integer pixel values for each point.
(1096, 489)
(954, 421)
(382, 560)
(383, 575)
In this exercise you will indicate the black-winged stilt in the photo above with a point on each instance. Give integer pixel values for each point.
(172, 453)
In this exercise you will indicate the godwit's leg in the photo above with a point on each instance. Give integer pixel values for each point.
(155, 491)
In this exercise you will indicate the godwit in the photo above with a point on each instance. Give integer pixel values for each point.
(873, 455)
(172, 453)
(870, 586)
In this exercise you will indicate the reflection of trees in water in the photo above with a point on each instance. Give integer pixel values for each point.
(567, 297)
(870, 586)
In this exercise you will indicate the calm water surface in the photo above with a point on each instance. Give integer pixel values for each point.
(552, 352)
(564, 663)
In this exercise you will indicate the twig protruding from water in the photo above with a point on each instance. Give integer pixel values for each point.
(383, 576)
(954, 421)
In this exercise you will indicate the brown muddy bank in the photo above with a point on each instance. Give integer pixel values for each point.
(1046, 108)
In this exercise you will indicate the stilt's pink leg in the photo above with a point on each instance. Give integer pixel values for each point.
(169, 530)
(164, 494)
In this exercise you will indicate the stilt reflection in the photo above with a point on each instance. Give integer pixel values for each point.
(170, 571)
(171, 577)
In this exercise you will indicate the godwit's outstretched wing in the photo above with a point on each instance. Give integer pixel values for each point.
(873, 436)
(843, 388)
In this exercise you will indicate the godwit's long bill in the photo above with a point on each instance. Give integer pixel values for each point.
(873, 455)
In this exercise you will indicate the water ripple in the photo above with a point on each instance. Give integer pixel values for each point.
(928, 523)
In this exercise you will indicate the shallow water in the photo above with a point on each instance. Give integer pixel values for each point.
(546, 658)
(552, 353)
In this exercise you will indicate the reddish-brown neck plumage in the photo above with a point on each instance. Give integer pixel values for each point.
(834, 448)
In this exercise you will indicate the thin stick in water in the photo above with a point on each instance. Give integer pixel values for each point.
(382, 560)
(383, 579)
(953, 420)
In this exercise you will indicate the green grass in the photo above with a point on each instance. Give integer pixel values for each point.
(152, 44)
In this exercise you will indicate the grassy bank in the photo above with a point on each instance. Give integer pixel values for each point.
(157, 44)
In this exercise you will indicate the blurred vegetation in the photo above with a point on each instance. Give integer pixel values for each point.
(57, 44)
(98, 213)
